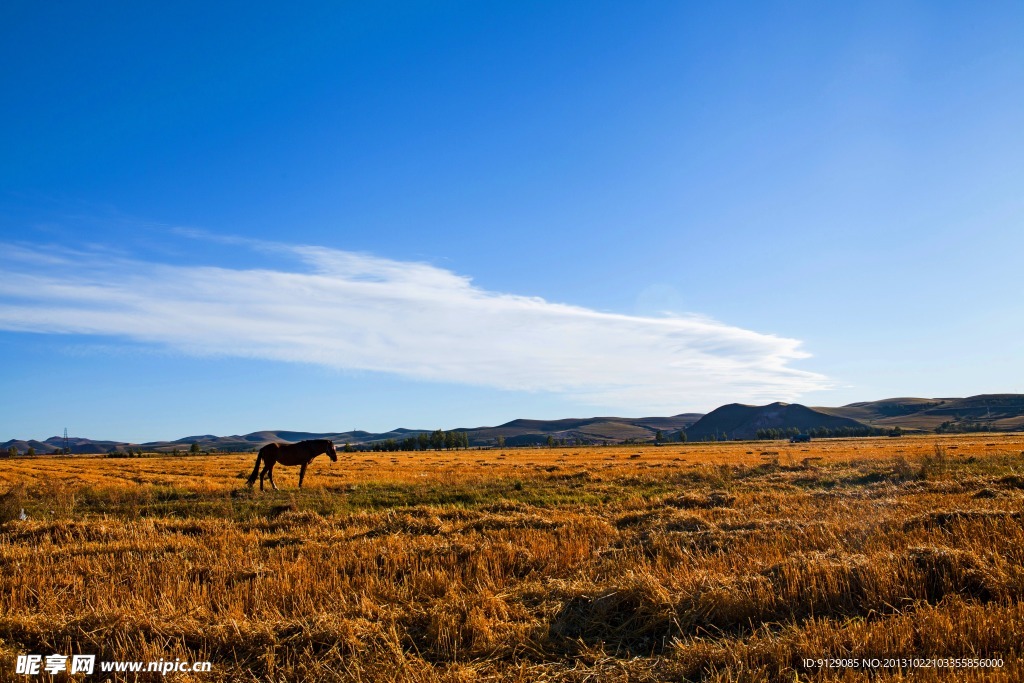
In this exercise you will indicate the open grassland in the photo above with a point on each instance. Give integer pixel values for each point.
(702, 562)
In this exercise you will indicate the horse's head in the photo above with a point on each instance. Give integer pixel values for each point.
(331, 453)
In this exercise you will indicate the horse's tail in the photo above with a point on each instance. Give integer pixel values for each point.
(255, 469)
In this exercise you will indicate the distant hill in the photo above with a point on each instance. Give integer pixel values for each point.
(1002, 412)
(55, 443)
(588, 430)
(739, 421)
(873, 412)
(23, 446)
(516, 433)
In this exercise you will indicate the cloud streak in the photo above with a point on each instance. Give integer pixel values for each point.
(352, 311)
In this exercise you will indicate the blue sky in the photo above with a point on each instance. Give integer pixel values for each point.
(370, 215)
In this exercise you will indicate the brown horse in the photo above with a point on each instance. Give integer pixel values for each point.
(289, 454)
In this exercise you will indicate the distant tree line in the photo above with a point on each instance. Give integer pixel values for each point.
(436, 440)
(951, 427)
(564, 442)
(819, 432)
(13, 452)
(661, 437)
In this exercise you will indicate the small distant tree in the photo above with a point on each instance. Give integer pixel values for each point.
(658, 437)
(31, 451)
(682, 436)
(12, 452)
(551, 441)
(194, 448)
(500, 441)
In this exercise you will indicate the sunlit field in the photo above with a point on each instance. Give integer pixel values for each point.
(685, 562)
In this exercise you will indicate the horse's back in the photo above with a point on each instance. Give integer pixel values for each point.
(292, 453)
(271, 449)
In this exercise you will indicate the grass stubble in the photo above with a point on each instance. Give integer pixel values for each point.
(687, 562)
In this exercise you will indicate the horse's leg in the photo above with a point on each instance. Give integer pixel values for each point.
(267, 465)
(271, 475)
(302, 473)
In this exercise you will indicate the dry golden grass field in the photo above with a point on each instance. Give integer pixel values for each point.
(687, 562)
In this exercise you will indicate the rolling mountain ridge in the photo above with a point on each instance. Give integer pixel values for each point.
(738, 421)
(998, 412)
(1003, 412)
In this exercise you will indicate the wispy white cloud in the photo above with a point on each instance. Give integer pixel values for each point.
(353, 311)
